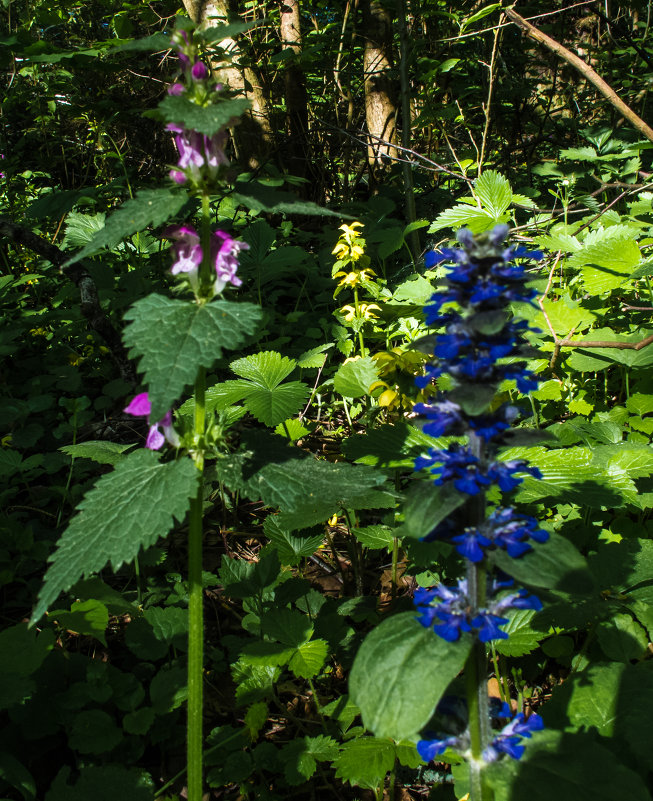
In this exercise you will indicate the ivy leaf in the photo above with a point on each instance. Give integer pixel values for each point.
(127, 510)
(207, 120)
(387, 681)
(149, 207)
(173, 338)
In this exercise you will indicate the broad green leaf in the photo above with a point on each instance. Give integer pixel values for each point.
(607, 258)
(621, 638)
(149, 207)
(101, 451)
(16, 775)
(389, 446)
(554, 565)
(427, 506)
(105, 783)
(168, 622)
(139, 722)
(273, 406)
(289, 626)
(22, 651)
(365, 761)
(566, 767)
(173, 338)
(94, 732)
(265, 369)
(557, 240)
(493, 190)
(85, 617)
(522, 638)
(313, 358)
(168, 689)
(127, 510)
(565, 315)
(400, 673)
(207, 120)
(640, 404)
(309, 658)
(375, 537)
(95, 589)
(479, 15)
(353, 379)
(294, 429)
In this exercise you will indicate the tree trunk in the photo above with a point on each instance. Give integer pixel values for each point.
(253, 138)
(380, 110)
(295, 90)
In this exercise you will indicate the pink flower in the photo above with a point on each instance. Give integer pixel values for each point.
(140, 406)
(197, 152)
(186, 251)
(224, 253)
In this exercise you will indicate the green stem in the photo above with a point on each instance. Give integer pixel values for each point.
(361, 341)
(195, 605)
(395, 559)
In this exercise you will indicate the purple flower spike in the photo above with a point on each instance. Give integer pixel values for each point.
(186, 252)
(176, 89)
(224, 252)
(140, 406)
(199, 71)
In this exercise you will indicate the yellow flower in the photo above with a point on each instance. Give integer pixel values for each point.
(364, 312)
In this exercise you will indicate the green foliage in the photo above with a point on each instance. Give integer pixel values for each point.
(172, 338)
(127, 510)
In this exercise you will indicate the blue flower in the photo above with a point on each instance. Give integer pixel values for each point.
(488, 624)
(508, 741)
(442, 417)
(429, 749)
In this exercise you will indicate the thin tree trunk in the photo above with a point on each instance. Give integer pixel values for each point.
(295, 90)
(380, 110)
(253, 137)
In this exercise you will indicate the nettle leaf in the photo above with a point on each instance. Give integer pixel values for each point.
(173, 338)
(400, 673)
(149, 207)
(494, 192)
(126, 510)
(207, 120)
(354, 378)
(100, 451)
(85, 617)
(564, 315)
(389, 446)
(365, 761)
(640, 404)
(607, 258)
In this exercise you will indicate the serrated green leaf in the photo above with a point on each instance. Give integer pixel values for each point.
(353, 379)
(389, 446)
(621, 638)
(522, 639)
(127, 510)
(291, 548)
(82, 228)
(168, 689)
(309, 658)
(477, 220)
(387, 679)
(257, 197)
(207, 120)
(149, 207)
(564, 315)
(273, 406)
(374, 537)
(173, 338)
(289, 626)
(266, 369)
(167, 622)
(101, 451)
(494, 192)
(365, 761)
(313, 358)
(300, 757)
(427, 506)
(293, 429)
(640, 404)
(256, 717)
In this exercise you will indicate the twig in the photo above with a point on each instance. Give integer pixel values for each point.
(588, 72)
